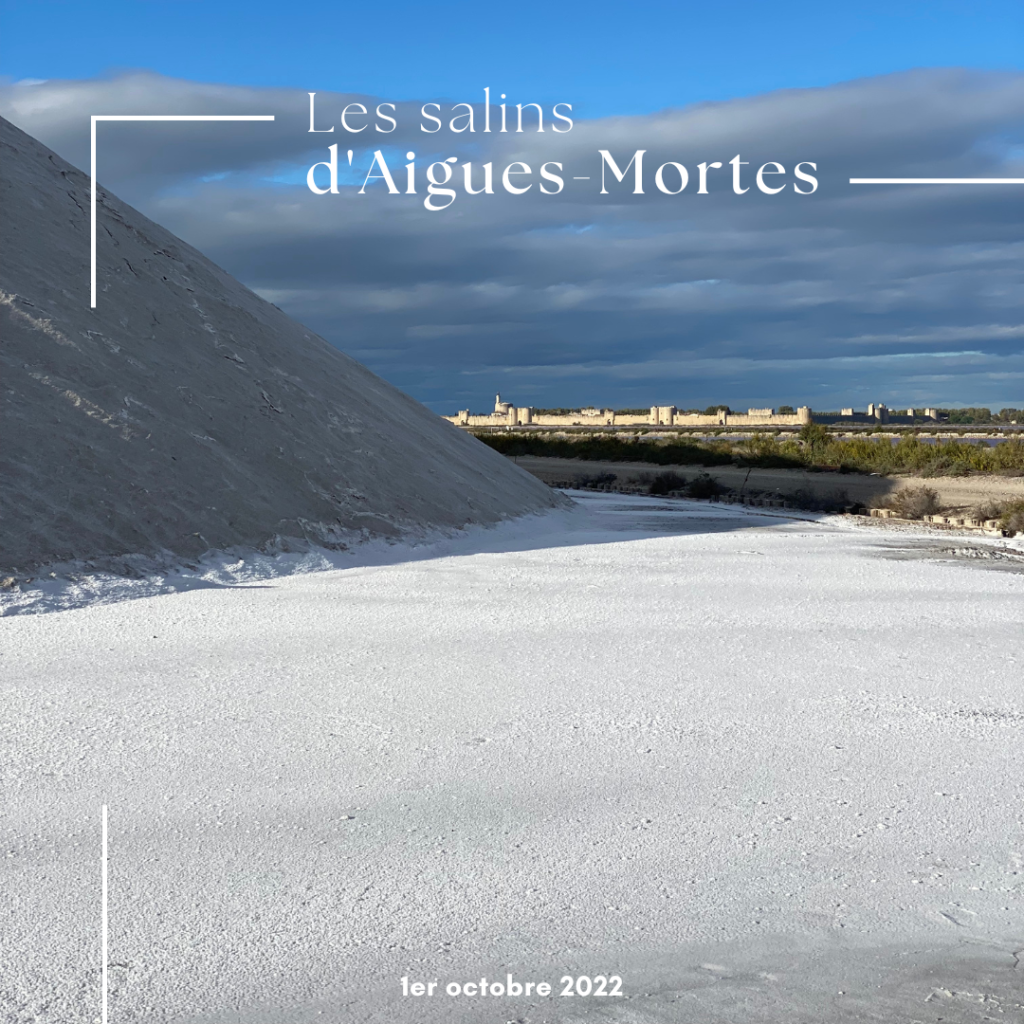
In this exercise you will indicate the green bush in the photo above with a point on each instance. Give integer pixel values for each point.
(766, 451)
(814, 448)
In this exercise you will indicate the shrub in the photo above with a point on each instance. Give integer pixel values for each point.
(946, 467)
(987, 510)
(766, 451)
(1009, 513)
(833, 501)
(1012, 518)
(802, 498)
(815, 436)
(914, 502)
(603, 481)
(704, 486)
(1007, 455)
(665, 482)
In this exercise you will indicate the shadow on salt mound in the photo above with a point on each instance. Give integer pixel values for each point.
(593, 519)
(184, 413)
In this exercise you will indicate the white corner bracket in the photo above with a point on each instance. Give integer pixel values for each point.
(142, 117)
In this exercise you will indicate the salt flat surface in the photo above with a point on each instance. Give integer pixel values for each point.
(756, 766)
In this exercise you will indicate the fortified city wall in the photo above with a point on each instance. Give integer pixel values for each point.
(508, 415)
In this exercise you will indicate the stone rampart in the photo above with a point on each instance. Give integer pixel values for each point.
(507, 415)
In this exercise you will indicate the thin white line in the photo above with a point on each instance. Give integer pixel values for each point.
(183, 117)
(937, 181)
(92, 171)
(92, 216)
(104, 923)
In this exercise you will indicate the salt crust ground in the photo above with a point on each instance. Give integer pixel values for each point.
(757, 766)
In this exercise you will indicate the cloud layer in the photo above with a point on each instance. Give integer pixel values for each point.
(904, 294)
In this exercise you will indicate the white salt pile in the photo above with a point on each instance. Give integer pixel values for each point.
(186, 414)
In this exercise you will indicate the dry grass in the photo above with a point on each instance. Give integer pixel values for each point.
(1011, 517)
(914, 502)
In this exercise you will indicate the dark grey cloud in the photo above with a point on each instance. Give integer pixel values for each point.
(905, 294)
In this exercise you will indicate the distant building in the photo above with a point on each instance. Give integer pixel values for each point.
(507, 414)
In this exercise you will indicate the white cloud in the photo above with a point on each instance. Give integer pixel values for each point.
(765, 295)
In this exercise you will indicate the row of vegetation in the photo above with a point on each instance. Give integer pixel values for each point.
(702, 486)
(979, 415)
(814, 448)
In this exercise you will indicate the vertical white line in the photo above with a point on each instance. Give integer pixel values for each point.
(92, 218)
(103, 917)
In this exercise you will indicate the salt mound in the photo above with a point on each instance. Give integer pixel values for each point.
(186, 413)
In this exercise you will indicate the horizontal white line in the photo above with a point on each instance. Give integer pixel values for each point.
(937, 181)
(183, 117)
(581, 179)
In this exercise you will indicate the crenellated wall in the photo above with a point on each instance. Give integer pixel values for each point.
(507, 415)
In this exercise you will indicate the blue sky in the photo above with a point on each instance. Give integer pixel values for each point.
(908, 295)
(605, 58)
